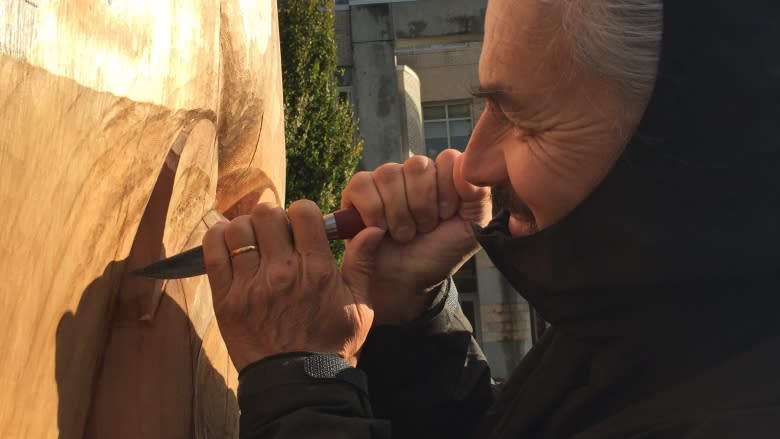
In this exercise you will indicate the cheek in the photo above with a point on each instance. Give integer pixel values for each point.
(551, 180)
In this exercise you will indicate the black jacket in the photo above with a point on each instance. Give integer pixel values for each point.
(428, 380)
(704, 367)
(661, 288)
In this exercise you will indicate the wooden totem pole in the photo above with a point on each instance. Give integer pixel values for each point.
(122, 124)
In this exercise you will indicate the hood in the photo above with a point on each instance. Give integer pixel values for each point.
(695, 197)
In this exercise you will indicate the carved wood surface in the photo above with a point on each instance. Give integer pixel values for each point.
(123, 123)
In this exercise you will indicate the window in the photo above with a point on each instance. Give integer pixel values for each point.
(446, 125)
(345, 95)
(345, 84)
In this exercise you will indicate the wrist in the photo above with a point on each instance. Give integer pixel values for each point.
(403, 313)
(440, 297)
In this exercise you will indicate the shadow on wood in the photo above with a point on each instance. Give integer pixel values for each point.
(163, 368)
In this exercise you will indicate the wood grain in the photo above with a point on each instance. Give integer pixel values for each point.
(123, 123)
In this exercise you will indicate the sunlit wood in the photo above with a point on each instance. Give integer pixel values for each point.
(122, 123)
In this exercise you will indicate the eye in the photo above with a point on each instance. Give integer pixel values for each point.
(493, 110)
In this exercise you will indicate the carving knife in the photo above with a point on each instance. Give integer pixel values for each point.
(342, 224)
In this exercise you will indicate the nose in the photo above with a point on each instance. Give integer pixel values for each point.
(483, 161)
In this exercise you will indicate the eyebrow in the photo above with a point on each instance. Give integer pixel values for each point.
(502, 99)
(489, 93)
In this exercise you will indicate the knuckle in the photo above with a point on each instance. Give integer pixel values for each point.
(303, 205)
(319, 271)
(418, 165)
(233, 229)
(213, 239)
(361, 183)
(360, 179)
(264, 210)
(388, 173)
(305, 208)
(447, 156)
(281, 276)
(265, 214)
(212, 234)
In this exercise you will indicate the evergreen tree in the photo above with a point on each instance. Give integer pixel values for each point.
(323, 146)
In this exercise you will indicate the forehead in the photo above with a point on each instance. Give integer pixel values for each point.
(522, 42)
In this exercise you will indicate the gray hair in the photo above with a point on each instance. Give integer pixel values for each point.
(619, 39)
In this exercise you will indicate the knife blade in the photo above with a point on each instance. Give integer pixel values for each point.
(342, 224)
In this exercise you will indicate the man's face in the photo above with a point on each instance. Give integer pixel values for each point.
(551, 130)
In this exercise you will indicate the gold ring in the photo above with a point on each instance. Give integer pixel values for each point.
(244, 249)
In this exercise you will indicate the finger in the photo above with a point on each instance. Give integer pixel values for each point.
(389, 181)
(308, 228)
(421, 196)
(475, 200)
(360, 261)
(216, 257)
(317, 264)
(449, 201)
(362, 194)
(239, 234)
(272, 229)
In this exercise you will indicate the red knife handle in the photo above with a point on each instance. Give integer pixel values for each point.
(343, 224)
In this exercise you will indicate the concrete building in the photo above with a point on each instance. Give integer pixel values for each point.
(410, 67)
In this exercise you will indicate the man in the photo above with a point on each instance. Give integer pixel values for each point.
(637, 173)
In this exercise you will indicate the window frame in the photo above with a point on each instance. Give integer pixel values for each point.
(447, 119)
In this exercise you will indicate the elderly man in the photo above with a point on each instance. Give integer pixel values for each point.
(632, 147)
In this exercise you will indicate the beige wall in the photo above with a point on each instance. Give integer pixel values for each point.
(412, 130)
(447, 73)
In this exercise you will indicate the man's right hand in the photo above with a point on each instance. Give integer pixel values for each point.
(427, 207)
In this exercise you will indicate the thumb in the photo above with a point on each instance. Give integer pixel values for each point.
(360, 259)
(476, 204)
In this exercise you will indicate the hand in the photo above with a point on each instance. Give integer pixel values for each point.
(427, 207)
(288, 296)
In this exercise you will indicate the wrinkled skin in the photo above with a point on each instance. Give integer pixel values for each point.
(551, 129)
(428, 209)
(290, 296)
(550, 133)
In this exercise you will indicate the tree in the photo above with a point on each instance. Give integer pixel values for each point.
(323, 145)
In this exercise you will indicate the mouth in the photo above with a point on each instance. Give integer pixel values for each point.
(520, 226)
(522, 221)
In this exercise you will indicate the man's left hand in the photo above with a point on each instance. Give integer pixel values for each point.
(288, 295)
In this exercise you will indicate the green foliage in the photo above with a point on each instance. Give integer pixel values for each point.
(323, 146)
